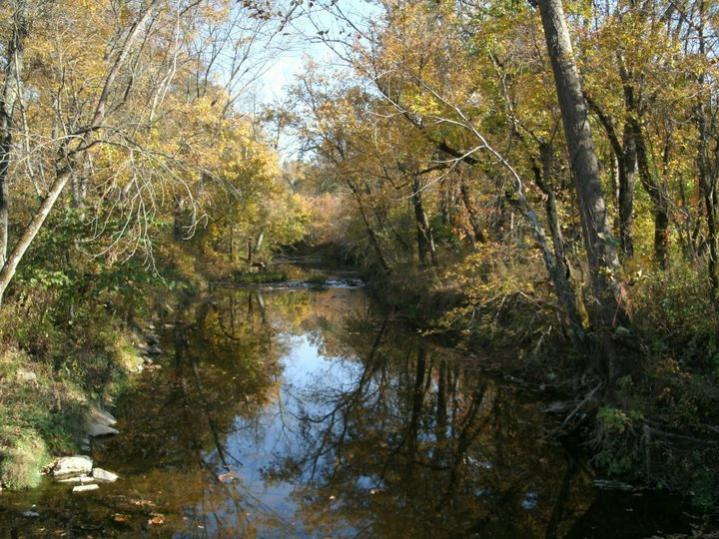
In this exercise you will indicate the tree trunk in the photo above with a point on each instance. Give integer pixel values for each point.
(31, 230)
(656, 195)
(557, 264)
(474, 222)
(372, 236)
(425, 239)
(708, 188)
(602, 257)
(177, 233)
(707, 172)
(10, 95)
(625, 153)
(625, 196)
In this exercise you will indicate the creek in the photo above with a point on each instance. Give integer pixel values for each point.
(293, 411)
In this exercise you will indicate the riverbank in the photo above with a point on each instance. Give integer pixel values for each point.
(45, 406)
(657, 427)
(70, 346)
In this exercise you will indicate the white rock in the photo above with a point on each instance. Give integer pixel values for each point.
(72, 466)
(98, 429)
(98, 415)
(81, 479)
(26, 377)
(103, 476)
(85, 488)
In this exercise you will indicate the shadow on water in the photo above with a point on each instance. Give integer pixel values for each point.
(301, 413)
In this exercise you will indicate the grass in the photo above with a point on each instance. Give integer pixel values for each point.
(23, 455)
(43, 401)
(30, 422)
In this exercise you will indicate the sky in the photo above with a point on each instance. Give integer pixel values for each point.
(303, 46)
(287, 55)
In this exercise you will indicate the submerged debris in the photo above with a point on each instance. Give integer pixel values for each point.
(609, 484)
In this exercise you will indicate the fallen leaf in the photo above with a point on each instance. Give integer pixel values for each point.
(156, 520)
(142, 503)
(228, 477)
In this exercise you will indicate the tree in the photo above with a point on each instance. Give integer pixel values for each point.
(602, 257)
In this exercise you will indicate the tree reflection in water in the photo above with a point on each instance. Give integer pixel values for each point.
(305, 413)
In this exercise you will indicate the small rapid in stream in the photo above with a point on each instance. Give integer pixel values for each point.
(304, 412)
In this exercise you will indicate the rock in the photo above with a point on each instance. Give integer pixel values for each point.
(98, 415)
(154, 350)
(67, 467)
(85, 488)
(26, 377)
(96, 430)
(152, 340)
(103, 476)
(100, 423)
(82, 480)
(30, 514)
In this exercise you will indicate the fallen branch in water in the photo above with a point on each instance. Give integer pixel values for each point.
(579, 407)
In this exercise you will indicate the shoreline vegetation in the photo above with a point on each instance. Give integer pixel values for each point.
(536, 183)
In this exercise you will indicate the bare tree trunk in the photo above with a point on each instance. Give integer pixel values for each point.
(177, 233)
(626, 163)
(425, 239)
(232, 243)
(10, 95)
(557, 264)
(636, 155)
(625, 195)
(708, 170)
(656, 195)
(708, 188)
(31, 230)
(474, 222)
(372, 236)
(601, 254)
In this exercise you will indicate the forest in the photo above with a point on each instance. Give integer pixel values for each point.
(524, 195)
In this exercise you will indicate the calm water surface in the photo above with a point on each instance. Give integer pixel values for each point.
(306, 413)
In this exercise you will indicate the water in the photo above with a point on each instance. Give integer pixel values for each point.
(298, 412)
